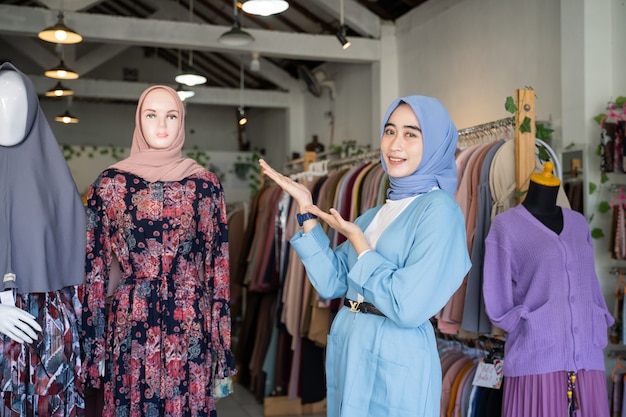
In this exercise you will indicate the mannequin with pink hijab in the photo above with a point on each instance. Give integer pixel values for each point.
(157, 260)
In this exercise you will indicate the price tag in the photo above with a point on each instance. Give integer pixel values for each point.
(489, 375)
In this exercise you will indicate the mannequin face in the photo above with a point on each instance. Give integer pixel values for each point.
(160, 119)
(402, 143)
(13, 108)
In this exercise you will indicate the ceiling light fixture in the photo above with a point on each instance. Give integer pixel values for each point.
(265, 7)
(255, 64)
(59, 90)
(61, 72)
(183, 93)
(60, 33)
(242, 114)
(189, 78)
(341, 35)
(235, 36)
(341, 32)
(66, 117)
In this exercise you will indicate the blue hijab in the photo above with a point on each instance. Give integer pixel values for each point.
(438, 166)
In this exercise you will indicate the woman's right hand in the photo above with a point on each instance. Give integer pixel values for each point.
(299, 192)
(18, 324)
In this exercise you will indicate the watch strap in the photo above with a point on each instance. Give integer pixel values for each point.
(304, 217)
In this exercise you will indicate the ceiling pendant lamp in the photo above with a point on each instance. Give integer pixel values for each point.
(66, 117)
(61, 72)
(59, 90)
(235, 36)
(183, 93)
(60, 33)
(190, 77)
(265, 7)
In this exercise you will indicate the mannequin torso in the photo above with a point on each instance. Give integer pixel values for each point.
(540, 201)
(13, 108)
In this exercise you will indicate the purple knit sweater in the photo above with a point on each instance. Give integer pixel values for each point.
(542, 289)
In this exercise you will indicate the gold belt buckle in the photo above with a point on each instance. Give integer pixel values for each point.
(355, 307)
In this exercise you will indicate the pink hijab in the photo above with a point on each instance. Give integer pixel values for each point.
(158, 164)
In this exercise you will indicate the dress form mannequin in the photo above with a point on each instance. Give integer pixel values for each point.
(16, 323)
(13, 108)
(42, 224)
(540, 286)
(541, 198)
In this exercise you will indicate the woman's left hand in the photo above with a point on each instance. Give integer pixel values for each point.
(350, 230)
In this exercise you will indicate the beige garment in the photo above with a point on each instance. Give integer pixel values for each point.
(502, 180)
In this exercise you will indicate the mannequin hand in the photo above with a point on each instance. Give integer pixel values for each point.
(101, 367)
(299, 192)
(18, 324)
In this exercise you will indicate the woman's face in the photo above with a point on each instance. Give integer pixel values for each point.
(160, 119)
(402, 144)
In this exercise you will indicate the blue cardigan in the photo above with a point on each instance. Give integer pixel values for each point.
(389, 365)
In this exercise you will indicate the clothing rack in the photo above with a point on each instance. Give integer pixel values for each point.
(481, 133)
(355, 159)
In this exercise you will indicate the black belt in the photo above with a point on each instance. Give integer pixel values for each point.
(363, 307)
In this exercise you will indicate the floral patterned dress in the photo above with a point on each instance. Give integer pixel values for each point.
(167, 334)
(40, 378)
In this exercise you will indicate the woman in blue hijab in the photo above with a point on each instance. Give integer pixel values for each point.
(401, 263)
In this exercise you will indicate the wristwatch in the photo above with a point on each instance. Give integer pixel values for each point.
(304, 217)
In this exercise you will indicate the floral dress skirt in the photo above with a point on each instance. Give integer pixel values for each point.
(41, 379)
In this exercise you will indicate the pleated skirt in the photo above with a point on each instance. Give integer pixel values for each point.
(545, 395)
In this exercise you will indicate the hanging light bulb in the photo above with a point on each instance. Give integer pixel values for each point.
(66, 117)
(61, 72)
(59, 33)
(59, 90)
(255, 64)
(235, 36)
(265, 7)
(191, 77)
(183, 93)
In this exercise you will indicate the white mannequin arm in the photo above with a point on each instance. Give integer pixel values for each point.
(18, 324)
(101, 367)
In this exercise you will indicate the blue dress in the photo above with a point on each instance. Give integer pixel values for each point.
(389, 366)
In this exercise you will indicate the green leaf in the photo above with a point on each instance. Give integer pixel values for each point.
(597, 233)
(604, 178)
(543, 154)
(604, 206)
(619, 101)
(509, 105)
(599, 118)
(525, 126)
(543, 133)
(592, 187)
(598, 150)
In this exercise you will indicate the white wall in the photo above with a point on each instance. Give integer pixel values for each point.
(472, 54)
(351, 106)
